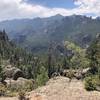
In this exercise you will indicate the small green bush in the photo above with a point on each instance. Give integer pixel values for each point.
(90, 83)
(42, 77)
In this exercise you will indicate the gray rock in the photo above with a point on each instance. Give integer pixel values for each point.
(20, 83)
(13, 73)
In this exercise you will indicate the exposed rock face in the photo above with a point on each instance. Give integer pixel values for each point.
(13, 73)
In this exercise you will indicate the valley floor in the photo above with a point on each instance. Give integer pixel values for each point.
(60, 88)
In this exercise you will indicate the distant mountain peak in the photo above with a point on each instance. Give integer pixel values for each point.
(59, 15)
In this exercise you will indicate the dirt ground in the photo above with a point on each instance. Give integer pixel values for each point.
(60, 88)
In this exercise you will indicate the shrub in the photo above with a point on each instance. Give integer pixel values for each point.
(42, 77)
(90, 83)
(2, 90)
(21, 95)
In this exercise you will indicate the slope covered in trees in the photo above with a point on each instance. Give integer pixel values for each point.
(93, 52)
(16, 57)
(60, 57)
(30, 33)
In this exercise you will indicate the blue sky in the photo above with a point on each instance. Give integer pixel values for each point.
(18, 9)
(54, 3)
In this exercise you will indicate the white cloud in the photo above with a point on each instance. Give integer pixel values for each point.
(88, 7)
(10, 9)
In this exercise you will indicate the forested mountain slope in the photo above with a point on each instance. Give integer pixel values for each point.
(36, 34)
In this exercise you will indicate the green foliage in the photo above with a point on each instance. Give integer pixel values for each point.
(29, 64)
(42, 77)
(3, 90)
(21, 95)
(90, 83)
(94, 55)
(69, 56)
(66, 63)
(0, 70)
(77, 58)
(2, 77)
(58, 29)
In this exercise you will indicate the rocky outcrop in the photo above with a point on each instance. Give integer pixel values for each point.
(20, 83)
(78, 74)
(13, 73)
